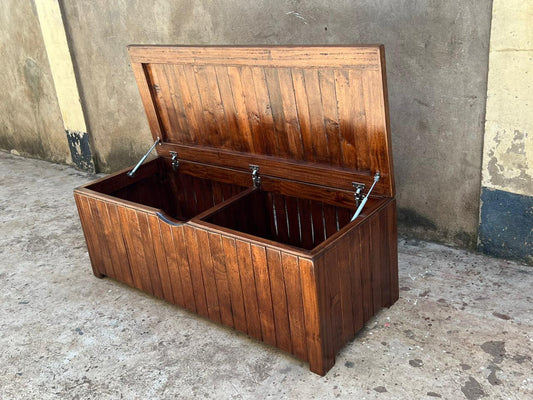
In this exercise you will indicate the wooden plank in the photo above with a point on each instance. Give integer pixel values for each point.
(208, 274)
(316, 174)
(194, 108)
(221, 278)
(88, 231)
(229, 110)
(346, 285)
(295, 150)
(146, 97)
(346, 106)
(375, 263)
(241, 112)
(254, 114)
(110, 234)
(392, 230)
(195, 270)
(251, 306)
(279, 300)
(172, 262)
(304, 114)
(366, 271)
(292, 281)
(264, 295)
(269, 139)
(364, 57)
(277, 110)
(281, 218)
(101, 237)
(316, 114)
(319, 362)
(306, 224)
(182, 259)
(331, 115)
(149, 254)
(194, 120)
(360, 122)
(385, 258)
(235, 286)
(161, 259)
(216, 134)
(317, 221)
(356, 263)
(120, 246)
(295, 236)
(180, 125)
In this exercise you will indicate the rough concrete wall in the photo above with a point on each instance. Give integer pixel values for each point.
(30, 121)
(436, 58)
(506, 218)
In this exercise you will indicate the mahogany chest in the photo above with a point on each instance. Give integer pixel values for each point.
(246, 217)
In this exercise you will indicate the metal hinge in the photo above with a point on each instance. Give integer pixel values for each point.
(360, 198)
(132, 172)
(175, 161)
(256, 179)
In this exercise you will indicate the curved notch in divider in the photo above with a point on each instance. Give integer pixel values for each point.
(169, 220)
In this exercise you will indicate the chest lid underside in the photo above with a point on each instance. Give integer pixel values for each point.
(312, 114)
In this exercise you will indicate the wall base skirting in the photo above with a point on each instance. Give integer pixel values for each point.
(506, 225)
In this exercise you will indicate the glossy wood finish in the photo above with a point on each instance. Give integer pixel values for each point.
(320, 111)
(281, 263)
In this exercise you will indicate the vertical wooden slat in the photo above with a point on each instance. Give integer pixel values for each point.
(356, 264)
(375, 132)
(158, 79)
(281, 218)
(235, 286)
(279, 300)
(172, 263)
(316, 113)
(278, 113)
(366, 271)
(193, 120)
(150, 260)
(246, 269)
(120, 245)
(317, 221)
(182, 262)
(241, 112)
(319, 362)
(88, 231)
(304, 211)
(333, 298)
(392, 230)
(101, 237)
(195, 270)
(294, 224)
(291, 130)
(161, 259)
(359, 121)
(110, 234)
(178, 119)
(132, 239)
(346, 106)
(217, 127)
(264, 295)
(252, 110)
(208, 274)
(330, 220)
(194, 108)
(265, 112)
(221, 278)
(384, 258)
(345, 276)
(375, 263)
(300, 96)
(228, 109)
(292, 280)
(329, 103)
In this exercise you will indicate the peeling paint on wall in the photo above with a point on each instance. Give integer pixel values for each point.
(510, 163)
(80, 150)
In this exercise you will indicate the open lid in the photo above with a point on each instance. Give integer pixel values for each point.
(314, 114)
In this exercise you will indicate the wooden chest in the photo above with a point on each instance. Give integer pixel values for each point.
(245, 215)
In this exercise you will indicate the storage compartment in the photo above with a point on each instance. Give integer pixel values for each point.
(177, 194)
(298, 222)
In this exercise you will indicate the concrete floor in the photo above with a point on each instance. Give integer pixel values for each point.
(461, 329)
